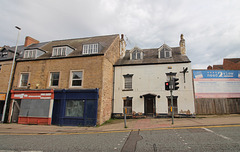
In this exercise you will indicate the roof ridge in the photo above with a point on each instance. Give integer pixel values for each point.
(85, 37)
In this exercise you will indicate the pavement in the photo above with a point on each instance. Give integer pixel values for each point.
(117, 125)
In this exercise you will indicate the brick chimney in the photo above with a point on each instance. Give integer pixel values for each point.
(122, 46)
(29, 40)
(182, 45)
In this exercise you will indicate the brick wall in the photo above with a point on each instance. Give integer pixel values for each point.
(111, 56)
(230, 65)
(40, 71)
(4, 75)
(97, 73)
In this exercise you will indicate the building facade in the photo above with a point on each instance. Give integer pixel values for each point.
(139, 85)
(77, 70)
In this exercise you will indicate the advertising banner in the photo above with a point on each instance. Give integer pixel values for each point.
(217, 83)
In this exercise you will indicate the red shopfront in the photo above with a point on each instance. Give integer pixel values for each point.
(31, 106)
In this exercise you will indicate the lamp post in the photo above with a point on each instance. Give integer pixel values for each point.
(10, 78)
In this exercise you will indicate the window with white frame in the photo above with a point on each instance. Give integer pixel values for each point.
(54, 79)
(59, 51)
(136, 55)
(165, 51)
(90, 48)
(4, 54)
(30, 54)
(76, 78)
(24, 79)
(128, 81)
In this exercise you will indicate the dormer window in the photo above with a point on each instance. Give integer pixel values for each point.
(34, 53)
(4, 54)
(61, 50)
(30, 54)
(90, 48)
(136, 54)
(164, 51)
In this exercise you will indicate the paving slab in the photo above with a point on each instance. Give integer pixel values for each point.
(118, 125)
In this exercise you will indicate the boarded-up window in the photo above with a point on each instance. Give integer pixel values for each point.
(34, 108)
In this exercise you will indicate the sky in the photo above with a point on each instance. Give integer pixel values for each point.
(211, 28)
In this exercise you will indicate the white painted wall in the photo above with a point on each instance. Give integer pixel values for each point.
(151, 79)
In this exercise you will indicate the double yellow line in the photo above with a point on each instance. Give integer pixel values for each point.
(120, 131)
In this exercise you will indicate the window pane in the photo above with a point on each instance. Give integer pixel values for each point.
(63, 51)
(167, 54)
(134, 56)
(54, 51)
(30, 54)
(138, 55)
(24, 79)
(54, 78)
(74, 108)
(128, 82)
(77, 75)
(33, 54)
(76, 82)
(25, 54)
(90, 49)
(59, 51)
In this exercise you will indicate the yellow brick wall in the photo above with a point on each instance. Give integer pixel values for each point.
(111, 56)
(40, 72)
(97, 73)
(4, 75)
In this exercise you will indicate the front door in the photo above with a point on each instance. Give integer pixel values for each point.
(149, 106)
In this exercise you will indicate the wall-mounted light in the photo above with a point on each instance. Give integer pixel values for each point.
(158, 96)
(141, 96)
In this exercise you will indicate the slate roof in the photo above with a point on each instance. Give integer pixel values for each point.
(20, 49)
(150, 56)
(77, 45)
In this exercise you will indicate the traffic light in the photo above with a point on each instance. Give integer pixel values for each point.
(175, 84)
(167, 86)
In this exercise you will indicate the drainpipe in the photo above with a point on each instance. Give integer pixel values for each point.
(113, 88)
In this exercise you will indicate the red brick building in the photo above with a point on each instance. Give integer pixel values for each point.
(228, 64)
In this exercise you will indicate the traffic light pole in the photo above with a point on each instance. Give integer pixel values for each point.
(171, 94)
(171, 85)
(172, 106)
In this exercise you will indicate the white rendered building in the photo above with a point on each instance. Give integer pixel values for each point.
(140, 77)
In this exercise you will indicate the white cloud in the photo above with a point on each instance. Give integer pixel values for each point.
(211, 28)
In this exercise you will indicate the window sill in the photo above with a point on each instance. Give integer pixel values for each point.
(127, 90)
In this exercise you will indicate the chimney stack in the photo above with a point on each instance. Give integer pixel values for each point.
(29, 40)
(122, 46)
(182, 45)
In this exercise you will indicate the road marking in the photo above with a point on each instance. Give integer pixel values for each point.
(224, 137)
(121, 131)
